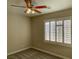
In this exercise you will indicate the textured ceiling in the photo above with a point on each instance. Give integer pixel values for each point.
(54, 5)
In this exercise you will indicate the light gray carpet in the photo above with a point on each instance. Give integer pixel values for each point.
(32, 54)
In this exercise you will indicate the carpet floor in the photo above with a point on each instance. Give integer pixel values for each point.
(32, 54)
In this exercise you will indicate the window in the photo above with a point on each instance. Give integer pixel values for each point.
(52, 31)
(67, 31)
(46, 30)
(58, 31)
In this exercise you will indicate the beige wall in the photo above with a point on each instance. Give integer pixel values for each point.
(19, 29)
(38, 34)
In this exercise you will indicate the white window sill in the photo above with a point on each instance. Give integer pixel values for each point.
(59, 43)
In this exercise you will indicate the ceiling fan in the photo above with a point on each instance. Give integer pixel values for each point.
(30, 8)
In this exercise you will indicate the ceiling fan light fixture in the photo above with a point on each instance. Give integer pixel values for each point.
(33, 12)
(30, 8)
(28, 11)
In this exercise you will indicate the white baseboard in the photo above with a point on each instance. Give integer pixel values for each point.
(39, 50)
(18, 51)
(51, 53)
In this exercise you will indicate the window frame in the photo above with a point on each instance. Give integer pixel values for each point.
(55, 42)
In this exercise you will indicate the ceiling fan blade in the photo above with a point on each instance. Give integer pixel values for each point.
(28, 3)
(39, 7)
(37, 11)
(18, 6)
